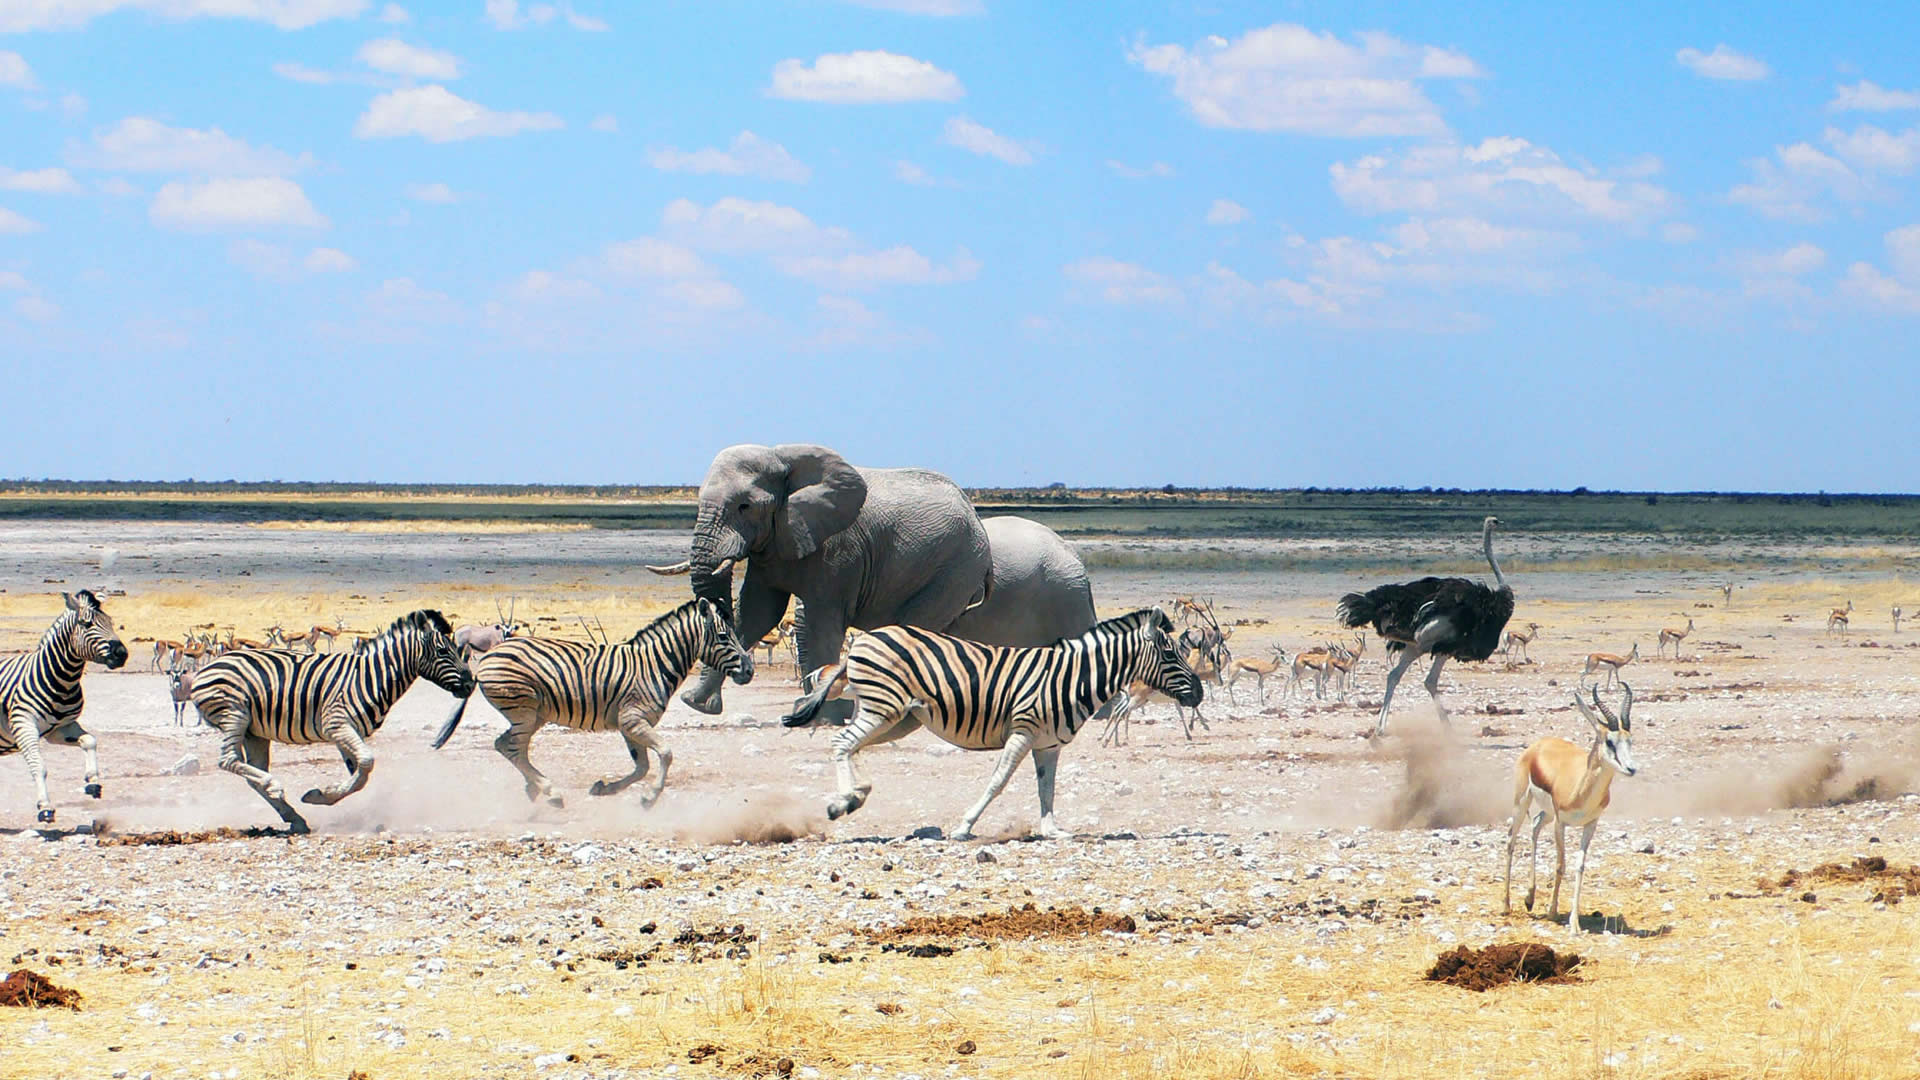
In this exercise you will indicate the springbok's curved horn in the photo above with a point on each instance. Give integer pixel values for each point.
(1626, 706)
(1612, 720)
(1586, 712)
(684, 566)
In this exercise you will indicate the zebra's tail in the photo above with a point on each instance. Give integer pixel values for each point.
(446, 729)
(827, 683)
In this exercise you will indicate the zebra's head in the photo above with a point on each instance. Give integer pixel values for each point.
(93, 637)
(720, 649)
(443, 662)
(1166, 666)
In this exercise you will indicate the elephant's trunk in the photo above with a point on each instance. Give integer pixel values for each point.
(712, 557)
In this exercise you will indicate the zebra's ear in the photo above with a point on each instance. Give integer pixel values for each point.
(71, 606)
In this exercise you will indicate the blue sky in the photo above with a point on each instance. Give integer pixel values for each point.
(1624, 245)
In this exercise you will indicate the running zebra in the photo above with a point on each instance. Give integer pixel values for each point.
(258, 697)
(990, 697)
(40, 691)
(624, 688)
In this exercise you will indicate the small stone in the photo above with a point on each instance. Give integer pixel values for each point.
(984, 856)
(186, 766)
(1325, 1016)
(928, 832)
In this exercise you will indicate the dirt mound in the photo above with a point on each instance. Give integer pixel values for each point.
(30, 990)
(172, 837)
(1017, 924)
(1480, 970)
(1893, 883)
(1442, 788)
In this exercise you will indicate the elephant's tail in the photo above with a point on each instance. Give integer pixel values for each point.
(828, 683)
(986, 590)
(446, 729)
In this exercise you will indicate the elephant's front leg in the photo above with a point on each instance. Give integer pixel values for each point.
(73, 734)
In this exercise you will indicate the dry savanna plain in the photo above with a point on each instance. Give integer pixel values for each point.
(1265, 898)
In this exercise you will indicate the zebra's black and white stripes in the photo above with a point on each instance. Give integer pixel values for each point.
(990, 697)
(624, 688)
(256, 697)
(40, 691)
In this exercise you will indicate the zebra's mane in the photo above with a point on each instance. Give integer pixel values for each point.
(662, 620)
(1133, 620)
(424, 619)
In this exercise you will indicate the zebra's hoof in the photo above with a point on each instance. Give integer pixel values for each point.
(298, 827)
(600, 787)
(45, 817)
(315, 797)
(836, 809)
(93, 790)
(558, 802)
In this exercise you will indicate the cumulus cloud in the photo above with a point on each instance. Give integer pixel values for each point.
(233, 203)
(405, 300)
(20, 17)
(396, 57)
(35, 308)
(438, 115)
(328, 261)
(436, 192)
(652, 257)
(936, 8)
(747, 155)
(11, 222)
(1502, 176)
(864, 78)
(394, 14)
(1679, 232)
(1117, 282)
(743, 225)
(1226, 212)
(140, 144)
(1793, 184)
(14, 71)
(979, 139)
(908, 173)
(14, 280)
(605, 122)
(1793, 262)
(38, 181)
(1287, 78)
(1871, 149)
(1723, 63)
(1140, 172)
(507, 15)
(866, 270)
(1865, 96)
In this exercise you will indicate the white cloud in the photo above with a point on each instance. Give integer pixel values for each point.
(908, 173)
(1793, 262)
(1679, 232)
(864, 78)
(18, 16)
(395, 14)
(139, 144)
(1903, 252)
(739, 225)
(704, 294)
(1119, 282)
(651, 257)
(605, 122)
(1871, 149)
(547, 285)
(979, 139)
(14, 71)
(1132, 172)
(866, 270)
(12, 222)
(1864, 96)
(301, 73)
(117, 187)
(747, 155)
(13, 279)
(1791, 184)
(234, 203)
(396, 57)
(404, 300)
(1723, 63)
(1287, 78)
(436, 192)
(1898, 292)
(506, 15)
(936, 8)
(436, 114)
(38, 181)
(36, 309)
(328, 261)
(1503, 176)
(1226, 212)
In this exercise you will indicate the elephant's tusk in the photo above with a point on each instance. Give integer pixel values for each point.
(724, 568)
(681, 567)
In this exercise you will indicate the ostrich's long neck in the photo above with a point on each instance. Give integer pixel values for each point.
(1498, 579)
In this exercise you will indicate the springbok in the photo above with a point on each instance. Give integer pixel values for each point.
(180, 689)
(1258, 668)
(1611, 663)
(1838, 617)
(1726, 591)
(1553, 778)
(1522, 639)
(1673, 636)
(1896, 618)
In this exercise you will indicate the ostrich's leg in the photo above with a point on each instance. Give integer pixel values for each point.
(1412, 653)
(1433, 687)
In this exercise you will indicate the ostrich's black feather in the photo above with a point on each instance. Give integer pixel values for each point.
(1477, 614)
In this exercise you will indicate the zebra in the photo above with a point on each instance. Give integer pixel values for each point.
(40, 692)
(624, 688)
(255, 698)
(991, 697)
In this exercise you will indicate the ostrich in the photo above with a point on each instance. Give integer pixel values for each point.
(1448, 617)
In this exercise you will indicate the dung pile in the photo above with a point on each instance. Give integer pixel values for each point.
(1497, 965)
(31, 990)
(1017, 924)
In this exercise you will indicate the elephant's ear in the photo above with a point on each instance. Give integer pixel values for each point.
(824, 495)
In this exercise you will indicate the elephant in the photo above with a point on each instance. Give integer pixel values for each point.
(863, 548)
